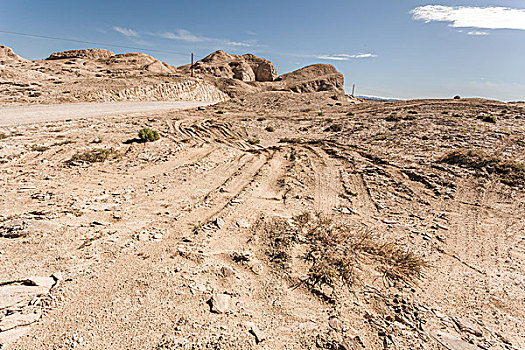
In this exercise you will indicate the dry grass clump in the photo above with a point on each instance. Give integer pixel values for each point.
(94, 156)
(336, 253)
(336, 250)
(511, 172)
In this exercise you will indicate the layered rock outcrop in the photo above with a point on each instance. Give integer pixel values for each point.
(91, 54)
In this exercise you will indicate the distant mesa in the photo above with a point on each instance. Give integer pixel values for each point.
(90, 54)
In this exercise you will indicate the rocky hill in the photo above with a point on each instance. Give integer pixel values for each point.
(101, 75)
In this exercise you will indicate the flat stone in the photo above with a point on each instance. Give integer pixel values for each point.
(15, 294)
(335, 324)
(220, 303)
(17, 320)
(451, 342)
(468, 326)
(12, 335)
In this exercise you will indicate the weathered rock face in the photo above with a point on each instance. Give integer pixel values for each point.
(243, 72)
(93, 54)
(6, 53)
(247, 68)
(314, 78)
(234, 70)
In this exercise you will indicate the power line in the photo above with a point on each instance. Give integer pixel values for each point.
(92, 43)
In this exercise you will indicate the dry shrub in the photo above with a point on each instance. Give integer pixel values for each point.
(94, 156)
(336, 252)
(512, 172)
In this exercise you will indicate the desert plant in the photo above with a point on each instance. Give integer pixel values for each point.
(511, 172)
(335, 252)
(254, 141)
(350, 114)
(334, 128)
(270, 129)
(489, 119)
(457, 97)
(94, 156)
(148, 135)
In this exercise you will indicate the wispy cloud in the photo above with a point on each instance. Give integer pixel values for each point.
(126, 31)
(345, 57)
(184, 35)
(478, 33)
(472, 17)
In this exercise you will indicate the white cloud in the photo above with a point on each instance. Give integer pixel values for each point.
(238, 44)
(345, 57)
(184, 35)
(472, 17)
(478, 33)
(126, 31)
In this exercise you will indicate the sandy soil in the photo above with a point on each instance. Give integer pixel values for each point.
(45, 113)
(143, 241)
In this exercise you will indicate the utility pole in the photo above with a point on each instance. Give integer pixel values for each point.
(192, 64)
(353, 90)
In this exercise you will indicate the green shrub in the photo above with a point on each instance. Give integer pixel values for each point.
(254, 141)
(350, 114)
(270, 129)
(489, 119)
(457, 97)
(148, 135)
(334, 128)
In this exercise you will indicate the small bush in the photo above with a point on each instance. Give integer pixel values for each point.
(270, 129)
(350, 114)
(37, 148)
(444, 112)
(148, 135)
(320, 114)
(254, 141)
(457, 97)
(334, 128)
(94, 156)
(489, 119)
(511, 172)
(261, 119)
(393, 118)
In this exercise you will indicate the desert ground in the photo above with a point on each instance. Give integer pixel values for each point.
(279, 218)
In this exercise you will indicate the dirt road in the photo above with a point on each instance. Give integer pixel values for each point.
(43, 113)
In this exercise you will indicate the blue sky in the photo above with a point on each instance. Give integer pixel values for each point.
(402, 48)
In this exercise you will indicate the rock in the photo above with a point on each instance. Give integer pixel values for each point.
(468, 326)
(220, 303)
(243, 224)
(335, 324)
(93, 54)
(451, 342)
(227, 271)
(18, 319)
(259, 335)
(219, 222)
(243, 72)
(13, 334)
